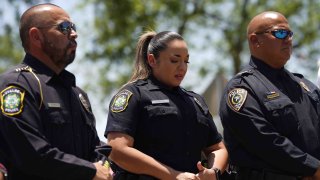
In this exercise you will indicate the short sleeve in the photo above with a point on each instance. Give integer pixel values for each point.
(124, 111)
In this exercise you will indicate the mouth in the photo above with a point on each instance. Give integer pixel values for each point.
(73, 44)
(179, 77)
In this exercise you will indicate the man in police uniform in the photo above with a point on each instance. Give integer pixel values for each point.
(47, 129)
(271, 116)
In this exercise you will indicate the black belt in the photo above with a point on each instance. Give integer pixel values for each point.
(244, 173)
(123, 175)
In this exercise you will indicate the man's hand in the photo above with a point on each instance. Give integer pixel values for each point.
(187, 176)
(103, 172)
(205, 173)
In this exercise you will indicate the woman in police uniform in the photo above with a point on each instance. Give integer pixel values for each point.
(155, 127)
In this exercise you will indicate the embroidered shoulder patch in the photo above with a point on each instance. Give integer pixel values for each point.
(236, 98)
(12, 100)
(121, 100)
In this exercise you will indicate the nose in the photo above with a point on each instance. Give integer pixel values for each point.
(183, 66)
(73, 34)
(288, 39)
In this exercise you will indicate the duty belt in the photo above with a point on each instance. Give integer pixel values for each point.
(244, 173)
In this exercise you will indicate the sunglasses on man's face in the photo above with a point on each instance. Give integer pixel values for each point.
(65, 27)
(279, 33)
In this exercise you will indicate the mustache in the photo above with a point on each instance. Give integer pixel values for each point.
(72, 43)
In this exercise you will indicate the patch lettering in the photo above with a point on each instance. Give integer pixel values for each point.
(12, 100)
(236, 98)
(121, 100)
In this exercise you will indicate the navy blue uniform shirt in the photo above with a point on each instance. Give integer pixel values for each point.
(271, 120)
(47, 129)
(170, 125)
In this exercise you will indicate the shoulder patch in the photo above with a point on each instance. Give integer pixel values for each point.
(121, 100)
(12, 100)
(236, 98)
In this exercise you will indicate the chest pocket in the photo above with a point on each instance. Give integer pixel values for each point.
(57, 123)
(57, 116)
(161, 111)
(282, 114)
(159, 118)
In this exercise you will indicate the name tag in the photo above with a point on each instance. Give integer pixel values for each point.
(161, 101)
(54, 105)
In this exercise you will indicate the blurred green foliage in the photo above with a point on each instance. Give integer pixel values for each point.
(119, 23)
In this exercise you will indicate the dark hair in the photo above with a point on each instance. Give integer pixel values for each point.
(150, 43)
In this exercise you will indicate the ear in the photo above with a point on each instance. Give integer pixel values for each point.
(253, 39)
(35, 37)
(152, 60)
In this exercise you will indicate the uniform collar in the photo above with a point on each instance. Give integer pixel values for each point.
(265, 69)
(154, 84)
(46, 73)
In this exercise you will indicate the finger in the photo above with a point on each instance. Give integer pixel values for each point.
(200, 167)
(106, 164)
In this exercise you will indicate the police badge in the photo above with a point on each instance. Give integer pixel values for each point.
(12, 100)
(236, 98)
(121, 100)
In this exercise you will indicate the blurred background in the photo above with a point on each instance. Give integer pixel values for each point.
(215, 31)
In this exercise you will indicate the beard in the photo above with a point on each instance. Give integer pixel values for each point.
(61, 57)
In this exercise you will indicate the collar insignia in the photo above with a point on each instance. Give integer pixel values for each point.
(12, 100)
(121, 100)
(84, 102)
(236, 98)
(305, 87)
(198, 102)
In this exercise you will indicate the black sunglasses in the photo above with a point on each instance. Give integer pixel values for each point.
(279, 33)
(65, 27)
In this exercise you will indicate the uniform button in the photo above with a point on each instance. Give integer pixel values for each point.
(163, 111)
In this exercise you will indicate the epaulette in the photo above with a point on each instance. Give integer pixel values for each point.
(190, 93)
(29, 69)
(298, 75)
(141, 82)
(245, 73)
(195, 97)
(24, 68)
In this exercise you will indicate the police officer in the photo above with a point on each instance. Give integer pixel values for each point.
(47, 129)
(157, 128)
(270, 115)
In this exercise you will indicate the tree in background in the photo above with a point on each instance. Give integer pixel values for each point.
(212, 25)
(11, 51)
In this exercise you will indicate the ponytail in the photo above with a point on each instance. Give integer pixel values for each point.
(150, 43)
(141, 67)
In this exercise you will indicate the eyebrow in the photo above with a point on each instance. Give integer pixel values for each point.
(177, 55)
